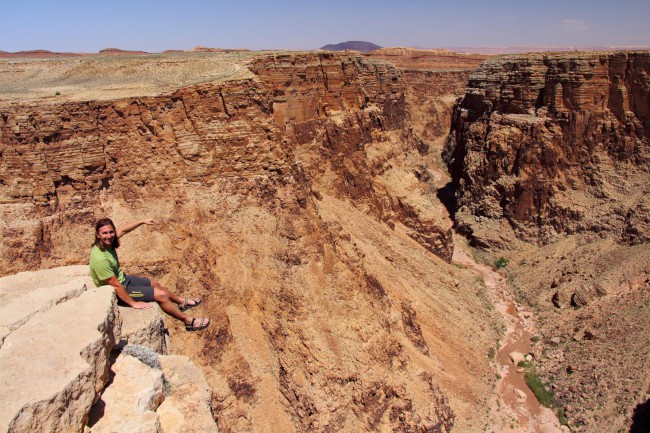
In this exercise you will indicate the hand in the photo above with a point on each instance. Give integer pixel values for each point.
(142, 305)
(149, 221)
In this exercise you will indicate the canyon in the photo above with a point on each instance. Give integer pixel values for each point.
(298, 195)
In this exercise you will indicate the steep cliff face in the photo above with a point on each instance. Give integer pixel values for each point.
(555, 144)
(550, 158)
(289, 202)
(57, 157)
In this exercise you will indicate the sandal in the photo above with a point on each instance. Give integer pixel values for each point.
(203, 323)
(186, 305)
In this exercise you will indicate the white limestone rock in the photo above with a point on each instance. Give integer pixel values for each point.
(187, 407)
(146, 328)
(54, 363)
(27, 293)
(128, 405)
(516, 357)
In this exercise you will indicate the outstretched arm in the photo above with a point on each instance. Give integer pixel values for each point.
(134, 225)
(120, 290)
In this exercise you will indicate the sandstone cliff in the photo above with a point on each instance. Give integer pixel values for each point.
(549, 155)
(290, 203)
(554, 144)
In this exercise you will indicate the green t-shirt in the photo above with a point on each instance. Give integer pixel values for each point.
(104, 265)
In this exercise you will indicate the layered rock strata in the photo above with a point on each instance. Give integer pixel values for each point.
(59, 159)
(554, 144)
(550, 157)
(291, 204)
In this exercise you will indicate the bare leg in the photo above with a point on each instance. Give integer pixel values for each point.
(162, 298)
(173, 297)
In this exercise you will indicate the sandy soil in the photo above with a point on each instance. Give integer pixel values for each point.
(92, 78)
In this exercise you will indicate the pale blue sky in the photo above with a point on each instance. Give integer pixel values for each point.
(89, 26)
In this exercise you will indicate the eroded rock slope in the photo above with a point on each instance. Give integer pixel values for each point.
(549, 155)
(291, 203)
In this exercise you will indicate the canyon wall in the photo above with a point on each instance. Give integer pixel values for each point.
(291, 203)
(57, 158)
(554, 144)
(550, 162)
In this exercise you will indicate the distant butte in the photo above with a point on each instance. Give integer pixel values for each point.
(201, 49)
(120, 51)
(360, 46)
(36, 54)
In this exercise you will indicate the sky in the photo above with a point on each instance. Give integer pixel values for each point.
(154, 26)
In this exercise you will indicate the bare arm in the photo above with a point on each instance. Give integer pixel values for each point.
(120, 290)
(134, 225)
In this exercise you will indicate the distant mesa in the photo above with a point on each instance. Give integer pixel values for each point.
(360, 46)
(120, 51)
(202, 49)
(36, 54)
(409, 51)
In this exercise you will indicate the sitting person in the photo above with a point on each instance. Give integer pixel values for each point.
(134, 291)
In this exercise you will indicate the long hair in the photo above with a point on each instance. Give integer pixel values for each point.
(101, 223)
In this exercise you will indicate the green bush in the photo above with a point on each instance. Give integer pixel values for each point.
(535, 384)
(501, 263)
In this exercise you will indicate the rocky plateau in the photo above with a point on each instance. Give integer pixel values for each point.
(298, 195)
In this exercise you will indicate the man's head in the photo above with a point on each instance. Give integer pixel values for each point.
(106, 234)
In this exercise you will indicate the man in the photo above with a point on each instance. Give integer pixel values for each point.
(136, 292)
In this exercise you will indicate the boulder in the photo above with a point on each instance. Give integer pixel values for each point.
(587, 293)
(520, 394)
(187, 407)
(144, 327)
(128, 405)
(24, 294)
(561, 299)
(517, 357)
(55, 359)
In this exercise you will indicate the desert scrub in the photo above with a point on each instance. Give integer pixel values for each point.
(535, 384)
(501, 263)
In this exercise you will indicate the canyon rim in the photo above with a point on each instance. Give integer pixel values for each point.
(301, 196)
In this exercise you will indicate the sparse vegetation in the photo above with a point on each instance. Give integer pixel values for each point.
(535, 384)
(57, 93)
(501, 263)
(560, 416)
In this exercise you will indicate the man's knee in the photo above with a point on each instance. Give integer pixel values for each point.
(160, 295)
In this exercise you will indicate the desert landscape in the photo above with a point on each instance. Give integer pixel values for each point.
(394, 240)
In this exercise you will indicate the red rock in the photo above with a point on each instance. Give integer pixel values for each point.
(551, 142)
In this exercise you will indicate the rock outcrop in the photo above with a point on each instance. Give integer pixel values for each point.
(144, 328)
(128, 405)
(55, 362)
(554, 144)
(187, 407)
(61, 369)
